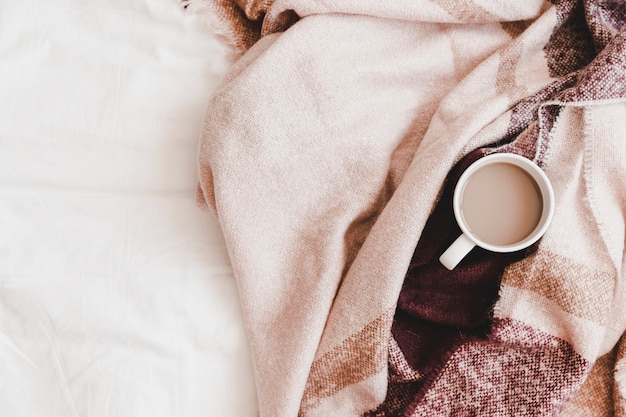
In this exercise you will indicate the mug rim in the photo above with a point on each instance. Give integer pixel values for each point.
(540, 178)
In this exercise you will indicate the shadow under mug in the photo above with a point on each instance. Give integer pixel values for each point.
(502, 195)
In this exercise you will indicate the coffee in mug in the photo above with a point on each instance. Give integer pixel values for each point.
(502, 203)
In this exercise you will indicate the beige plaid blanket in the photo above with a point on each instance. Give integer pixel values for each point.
(329, 153)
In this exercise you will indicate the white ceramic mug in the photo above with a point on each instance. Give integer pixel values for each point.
(505, 196)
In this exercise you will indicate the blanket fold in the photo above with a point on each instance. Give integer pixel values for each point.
(329, 154)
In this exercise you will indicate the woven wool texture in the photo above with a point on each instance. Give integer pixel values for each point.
(329, 155)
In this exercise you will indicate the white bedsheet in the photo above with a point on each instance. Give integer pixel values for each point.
(116, 294)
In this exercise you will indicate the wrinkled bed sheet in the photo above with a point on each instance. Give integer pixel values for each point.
(116, 293)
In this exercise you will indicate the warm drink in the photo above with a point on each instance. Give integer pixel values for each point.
(501, 204)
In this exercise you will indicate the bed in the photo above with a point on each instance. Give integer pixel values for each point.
(117, 296)
(238, 208)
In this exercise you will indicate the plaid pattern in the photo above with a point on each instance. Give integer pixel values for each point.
(329, 155)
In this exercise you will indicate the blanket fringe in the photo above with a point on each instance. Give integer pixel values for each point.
(209, 14)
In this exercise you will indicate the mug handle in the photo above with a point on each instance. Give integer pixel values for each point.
(457, 251)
